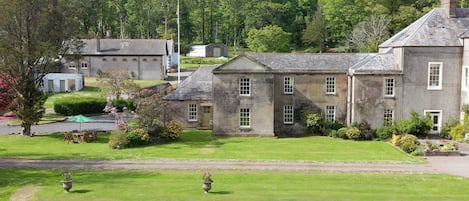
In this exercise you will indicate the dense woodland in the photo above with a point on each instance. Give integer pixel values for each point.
(304, 25)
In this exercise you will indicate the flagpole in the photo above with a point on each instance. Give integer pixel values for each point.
(179, 47)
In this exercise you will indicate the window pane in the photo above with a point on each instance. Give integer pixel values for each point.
(288, 85)
(330, 113)
(244, 117)
(434, 75)
(192, 112)
(244, 87)
(330, 85)
(288, 114)
(389, 87)
(388, 117)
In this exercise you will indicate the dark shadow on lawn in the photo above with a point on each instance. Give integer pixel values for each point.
(103, 138)
(221, 192)
(80, 191)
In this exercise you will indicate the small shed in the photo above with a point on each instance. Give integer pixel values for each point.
(63, 82)
(210, 50)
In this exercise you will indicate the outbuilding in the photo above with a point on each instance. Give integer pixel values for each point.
(63, 82)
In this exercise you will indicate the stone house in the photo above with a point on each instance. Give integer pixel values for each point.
(423, 68)
(191, 102)
(144, 59)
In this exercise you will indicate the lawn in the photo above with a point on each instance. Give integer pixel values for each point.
(235, 185)
(199, 145)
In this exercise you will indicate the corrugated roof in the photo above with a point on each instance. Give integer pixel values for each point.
(125, 47)
(435, 28)
(296, 62)
(198, 86)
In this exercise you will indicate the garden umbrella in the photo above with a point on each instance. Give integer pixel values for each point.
(80, 119)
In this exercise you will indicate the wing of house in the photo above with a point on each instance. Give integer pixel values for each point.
(145, 59)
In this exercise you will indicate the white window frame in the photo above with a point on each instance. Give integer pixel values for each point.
(431, 77)
(244, 86)
(330, 113)
(84, 65)
(330, 84)
(72, 65)
(389, 84)
(244, 118)
(439, 124)
(288, 85)
(465, 78)
(192, 112)
(288, 113)
(388, 117)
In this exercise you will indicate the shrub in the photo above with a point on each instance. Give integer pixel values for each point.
(366, 133)
(342, 133)
(445, 131)
(418, 125)
(174, 130)
(73, 106)
(383, 133)
(353, 133)
(334, 125)
(120, 104)
(118, 139)
(456, 132)
(310, 119)
(396, 139)
(332, 133)
(137, 137)
(408, 143)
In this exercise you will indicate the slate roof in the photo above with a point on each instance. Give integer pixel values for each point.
(304, 62)
(144, 47)
(198, 86)
(433, 29)
(377, 63)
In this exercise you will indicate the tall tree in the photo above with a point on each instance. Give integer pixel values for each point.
(316, 32)
(32, 37)
(271, 38)
(367, 35)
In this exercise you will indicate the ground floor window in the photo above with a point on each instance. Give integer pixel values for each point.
(388, 117)
(192, 112)
(288, 114)
(244, 118)
(330, 113)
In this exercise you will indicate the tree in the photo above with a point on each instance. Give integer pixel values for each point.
(32, 38)
(316, 32)
(367, 35)
(269, 39)
(117, 82)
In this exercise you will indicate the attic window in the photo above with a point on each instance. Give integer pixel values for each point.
(154, 59)
(114, 59)
(104, 59)
(134, 59)
(144, 59)
(124, 59)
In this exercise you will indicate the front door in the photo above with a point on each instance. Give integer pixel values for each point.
(206, 116)
(50, 85)
(62, 85)
(435, 116)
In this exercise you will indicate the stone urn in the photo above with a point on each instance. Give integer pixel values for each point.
(67, 184)
(207, 186)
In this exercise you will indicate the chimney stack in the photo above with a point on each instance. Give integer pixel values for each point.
(450, 7)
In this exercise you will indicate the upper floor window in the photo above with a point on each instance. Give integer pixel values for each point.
(244, 87)
(388, 117)
(288, 85)
(84, 65)
(389, 87)
(330, 85)
(192, 112)
(288, 114)
(244, 118)
(435, 75)
(330, 113)
(72, 65)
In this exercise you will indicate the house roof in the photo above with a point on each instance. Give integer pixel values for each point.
(125, 47)
(295, 62)
(435, 28)
(377, 63)
(198, 86)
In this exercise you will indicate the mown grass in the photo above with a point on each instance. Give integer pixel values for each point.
(235, 185)
(199, 145)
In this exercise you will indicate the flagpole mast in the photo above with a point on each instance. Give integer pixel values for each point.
(179, 47)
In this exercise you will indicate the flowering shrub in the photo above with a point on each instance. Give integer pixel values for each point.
(118, 139)
(174, 130)
(137, 137)
(353, 133)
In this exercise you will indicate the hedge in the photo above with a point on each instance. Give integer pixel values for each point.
(73, 106)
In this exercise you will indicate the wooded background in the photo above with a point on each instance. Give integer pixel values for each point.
(311, 25)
